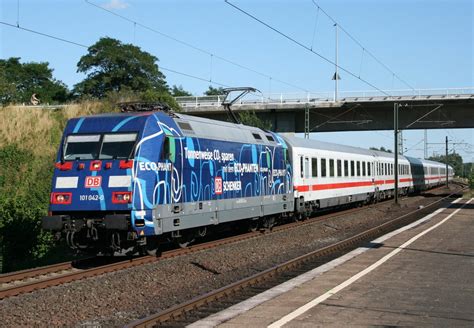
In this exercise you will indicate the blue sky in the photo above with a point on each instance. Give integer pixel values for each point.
(427, 43)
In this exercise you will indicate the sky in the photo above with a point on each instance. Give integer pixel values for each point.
(425, 44)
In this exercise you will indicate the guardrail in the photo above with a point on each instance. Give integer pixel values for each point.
(300, 97)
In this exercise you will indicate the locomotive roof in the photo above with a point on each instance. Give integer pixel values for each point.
(221, 130)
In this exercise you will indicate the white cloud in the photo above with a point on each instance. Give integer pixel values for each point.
(115, 4)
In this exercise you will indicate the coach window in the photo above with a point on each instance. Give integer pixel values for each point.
(368, 169)
(346, 168)
(358, 168)
(339, 168)
(391, 169)
(323, 167)
(314, 167)
(306, 167)
(302, 166)
(352, 169)
(331, 167)
(363, 169)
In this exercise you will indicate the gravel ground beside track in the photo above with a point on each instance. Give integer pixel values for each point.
(115, 299)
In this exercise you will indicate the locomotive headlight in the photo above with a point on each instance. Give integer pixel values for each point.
(61, 198)
(121, 197)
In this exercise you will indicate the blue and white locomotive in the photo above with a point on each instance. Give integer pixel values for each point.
(130, 181)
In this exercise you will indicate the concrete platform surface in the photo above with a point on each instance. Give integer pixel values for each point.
(421, 275)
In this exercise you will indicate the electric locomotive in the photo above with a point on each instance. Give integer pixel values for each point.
(129, 181)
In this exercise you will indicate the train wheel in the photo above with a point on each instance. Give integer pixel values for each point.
(152, 247)
(268, 223)
(185, 240)
(253, 225)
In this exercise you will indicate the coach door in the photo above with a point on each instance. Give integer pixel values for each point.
(305, 169)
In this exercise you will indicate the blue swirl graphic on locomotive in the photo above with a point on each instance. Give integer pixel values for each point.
(196, 169)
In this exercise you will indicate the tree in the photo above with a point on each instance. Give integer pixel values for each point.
(179, 92)
(251, 119)
(214, 91)
(381, 149)
(454, 159)
(111, 66)
(18, 82)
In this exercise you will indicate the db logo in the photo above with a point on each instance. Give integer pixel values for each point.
(218, 185)
(93, 182)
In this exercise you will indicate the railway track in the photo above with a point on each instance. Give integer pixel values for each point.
(15, 283)
(215, 301)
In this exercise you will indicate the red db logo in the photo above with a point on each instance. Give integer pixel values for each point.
(218, 185)
(93, 182)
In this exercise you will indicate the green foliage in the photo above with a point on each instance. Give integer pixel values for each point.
(251, 119)
(454, 159)
(164, 97)
(381, 149)
(467, 170)
(179, 92)
(24, 188)
(111, 65)
(214, 91)
(19, 81)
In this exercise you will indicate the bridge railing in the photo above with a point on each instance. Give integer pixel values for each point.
(303, 97)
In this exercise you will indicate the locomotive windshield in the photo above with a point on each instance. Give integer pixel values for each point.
(82, 147)
(117, 146)
(108, 146)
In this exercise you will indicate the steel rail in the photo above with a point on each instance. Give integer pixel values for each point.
(62, 278)
(59, 279)
(181, 309)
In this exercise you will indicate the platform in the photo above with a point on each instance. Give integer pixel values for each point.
(419, 275)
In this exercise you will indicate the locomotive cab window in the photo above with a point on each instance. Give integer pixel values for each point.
(82, 147)
(167, 152)
(118, 146)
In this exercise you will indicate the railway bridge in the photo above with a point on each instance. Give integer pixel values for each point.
(352, 111)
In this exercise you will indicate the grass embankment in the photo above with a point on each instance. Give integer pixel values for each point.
(29, 139)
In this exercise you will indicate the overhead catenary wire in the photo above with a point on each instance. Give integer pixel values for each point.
(314, 29)
(306, 48)
(86, 47)
(341, 28)
(189, 45)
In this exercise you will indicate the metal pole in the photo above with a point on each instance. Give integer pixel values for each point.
(395, 133)
(426, 144)
(446, 161)
(336, 76)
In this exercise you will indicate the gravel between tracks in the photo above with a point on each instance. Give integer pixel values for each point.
(114, 299)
